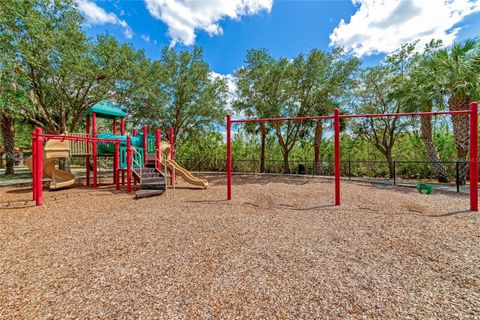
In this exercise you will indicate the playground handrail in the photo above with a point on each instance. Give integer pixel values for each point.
(165, 168)
(135, 161)
(79, 147)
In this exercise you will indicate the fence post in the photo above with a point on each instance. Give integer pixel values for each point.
(394, 173)
(349, 169)
(229, 158)
(39, 167)
(474, 156)
(337, 155)
(457, 176)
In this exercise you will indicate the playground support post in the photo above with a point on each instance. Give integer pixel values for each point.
(158, 153)
(134, 132)
(94, 148)
(114, 126)
(122, 126)
(145, 131)
(474, 156)
(39, 168)
(229, 158)
(129, 165)
(172, 156)
(34, 169)
(87, 157)
(117, 166)
(336, 123)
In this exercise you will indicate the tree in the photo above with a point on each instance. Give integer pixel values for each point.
(182, 94)
(373, 94)
(321, 80)
(66, 72)
(457, 69)
(265, 90)
(12, 90)
(252, 94)
(420, 92)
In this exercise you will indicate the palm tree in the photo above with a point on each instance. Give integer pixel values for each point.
(420, 92)
(457, 71)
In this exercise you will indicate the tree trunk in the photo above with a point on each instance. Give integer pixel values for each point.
(391, 168)
(263, 133)
(438, 169)
(8, 135)
(64, 164)
(286, 164)
(317, 144)
(461, 131)
(2, 164)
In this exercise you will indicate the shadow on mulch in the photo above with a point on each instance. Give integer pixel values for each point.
(290, 207)
(259, 180)
(448, 214)
(20, 191)
(207, 201)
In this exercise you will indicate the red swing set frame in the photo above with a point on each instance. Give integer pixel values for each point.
(472, 112)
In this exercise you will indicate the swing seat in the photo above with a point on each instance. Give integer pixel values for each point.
(424, 188)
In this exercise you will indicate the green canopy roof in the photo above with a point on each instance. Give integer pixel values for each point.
(106, 109)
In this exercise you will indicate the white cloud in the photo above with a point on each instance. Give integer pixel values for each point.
(95, 15)
(145, 38)
(184, 17)
(381, 26)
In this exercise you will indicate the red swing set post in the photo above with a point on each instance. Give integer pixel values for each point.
(172, 156)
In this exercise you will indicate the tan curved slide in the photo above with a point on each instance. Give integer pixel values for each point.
(54, 150)
(184, 173)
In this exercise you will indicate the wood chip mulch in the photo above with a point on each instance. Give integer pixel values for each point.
(279, 250)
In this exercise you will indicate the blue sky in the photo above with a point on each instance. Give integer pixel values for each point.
(226, 29)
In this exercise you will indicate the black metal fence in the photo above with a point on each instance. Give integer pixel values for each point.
(405, 173)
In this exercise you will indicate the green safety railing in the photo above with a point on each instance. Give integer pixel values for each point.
(151, 144)
(137, 158)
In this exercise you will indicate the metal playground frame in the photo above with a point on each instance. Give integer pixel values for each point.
(472, 112)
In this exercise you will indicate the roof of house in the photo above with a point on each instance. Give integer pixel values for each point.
(106, 109)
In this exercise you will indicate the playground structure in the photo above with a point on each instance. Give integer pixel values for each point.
(336, 117)
(141, 158)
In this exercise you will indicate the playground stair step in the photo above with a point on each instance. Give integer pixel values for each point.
(153, 186)
(152, 179)
(148, 193)
(153, 183)
(149, 175)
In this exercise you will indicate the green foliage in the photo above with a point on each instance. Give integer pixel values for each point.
(181, 94)
(64, 72)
